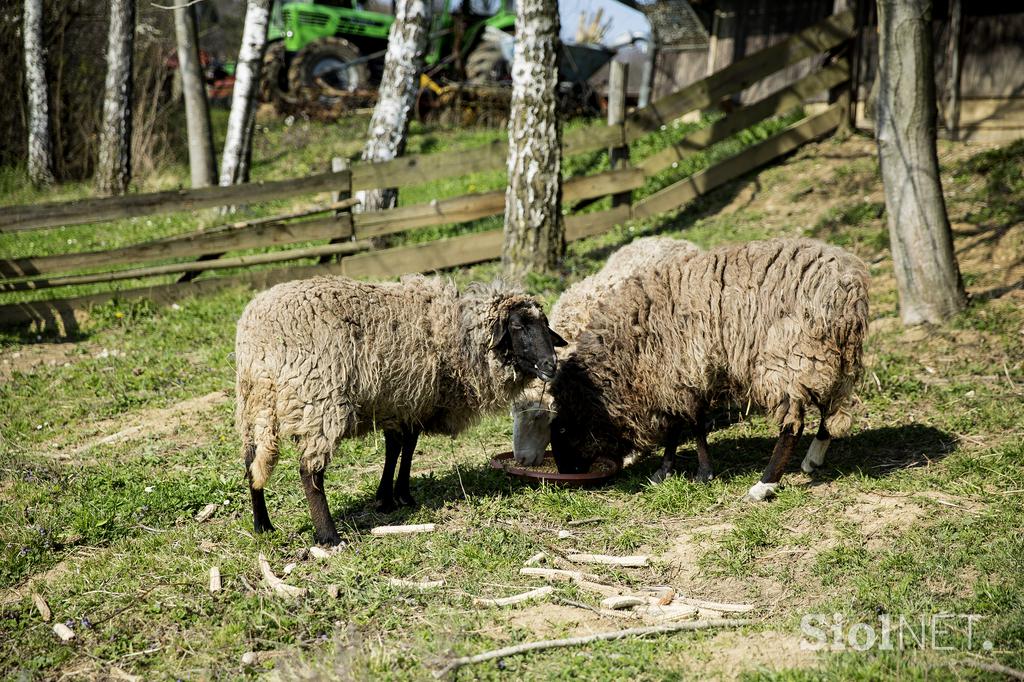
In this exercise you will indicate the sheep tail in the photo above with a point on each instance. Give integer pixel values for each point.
(257, 423)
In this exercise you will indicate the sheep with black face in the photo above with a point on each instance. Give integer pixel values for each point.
(778, 324)
(328, 358)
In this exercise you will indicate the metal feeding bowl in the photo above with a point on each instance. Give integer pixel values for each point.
(601, 471)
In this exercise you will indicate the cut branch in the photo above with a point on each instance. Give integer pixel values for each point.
(607, 560)
(421, 585)
(401, 530)
(276, 584)
(588, 639)
(515, 599)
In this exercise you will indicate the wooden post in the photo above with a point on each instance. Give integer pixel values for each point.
(339, 164)
(618, 157)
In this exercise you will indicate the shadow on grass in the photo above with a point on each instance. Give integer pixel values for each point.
(874, 453)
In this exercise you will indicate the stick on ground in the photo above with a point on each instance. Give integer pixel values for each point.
(516, 598)
(416, 584)
(41, 606)
(399, 530)
(214, 579)
(587, 639)
(607, 560)
(279, 586)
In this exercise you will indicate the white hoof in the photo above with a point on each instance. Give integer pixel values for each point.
(762, 491)
(815, 455)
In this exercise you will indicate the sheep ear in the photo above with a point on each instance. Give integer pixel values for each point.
(556, 340)
(499, 332)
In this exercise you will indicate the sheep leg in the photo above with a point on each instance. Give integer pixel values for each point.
(704, 470)
(385, 491)
(325, 532)
(260, 517)
(669, 459)
(784, 447)
(819, 446)
(402, 495)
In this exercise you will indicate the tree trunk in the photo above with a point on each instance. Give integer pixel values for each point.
(927, 275)
(243, 99)
(114, 171)
(953, 60)
(197, 111)
(389, 126)
(534, 231)
(40, 150)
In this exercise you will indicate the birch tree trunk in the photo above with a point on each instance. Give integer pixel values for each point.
(40, 149)
(114, 170)
(534, 230)
(243, 98)
(389, 125)
(197, 110)
(927, 274)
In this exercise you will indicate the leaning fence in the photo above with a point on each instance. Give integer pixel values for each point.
(351, 248)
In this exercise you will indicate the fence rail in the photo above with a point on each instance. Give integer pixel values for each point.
(342, 229)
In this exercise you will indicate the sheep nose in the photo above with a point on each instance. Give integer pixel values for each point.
(546, 368)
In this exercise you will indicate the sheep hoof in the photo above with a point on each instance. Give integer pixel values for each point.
(328, 540)
(659, 476)
(760, 491)
(263, 527)
(386, 506)
(704, 475)
(404, 499)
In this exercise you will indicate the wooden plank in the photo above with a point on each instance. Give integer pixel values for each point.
(39, 216)
(185, 246)
(744, 117)
(435, 255)
(740, 75)
(675, 195)
(590, 224)
(334, 249)
(484, 204)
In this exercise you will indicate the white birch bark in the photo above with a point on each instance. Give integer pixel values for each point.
(534, 230)
(927, 274)
(243, 98)
(40, 148)
(114, 170)
(389, 125)
(197, 110)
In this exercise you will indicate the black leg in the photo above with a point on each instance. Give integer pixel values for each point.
(323, 525)
(260, 517)
(704, 471)
(392, 448)
(402, 495)
(777, 464)
(668, 460)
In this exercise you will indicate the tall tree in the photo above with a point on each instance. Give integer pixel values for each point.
(197, 110)
(114, 171)
(389, 125)
(927, 274)
(233, 167)
(40, 148)
(534, 230)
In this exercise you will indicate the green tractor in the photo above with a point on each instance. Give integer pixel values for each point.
(326, 49)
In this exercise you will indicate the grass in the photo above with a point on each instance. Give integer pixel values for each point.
(917, 512)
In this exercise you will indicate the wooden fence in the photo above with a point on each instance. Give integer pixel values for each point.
(349, 234)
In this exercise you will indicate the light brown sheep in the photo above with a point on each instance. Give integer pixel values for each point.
(532, 414)
(778, 324)
(328, 358)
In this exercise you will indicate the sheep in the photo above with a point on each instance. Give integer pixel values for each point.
(778, 324)
(531, 415)
(328, 358)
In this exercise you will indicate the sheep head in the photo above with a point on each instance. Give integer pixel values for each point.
(521, 335)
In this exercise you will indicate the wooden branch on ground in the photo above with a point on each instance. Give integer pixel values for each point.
(41, 606)
(992, 667)
(637, 561)
(276, 584)
(588, 639)
(63, 631)
(403, 530)
(214, 579)
(514, 599)
(421, 585)
(537, 558)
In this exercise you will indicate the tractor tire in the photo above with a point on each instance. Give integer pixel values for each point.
(274, 78)
(487, 65)
(320, 68)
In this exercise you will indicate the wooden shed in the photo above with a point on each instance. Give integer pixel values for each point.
(982, 99)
